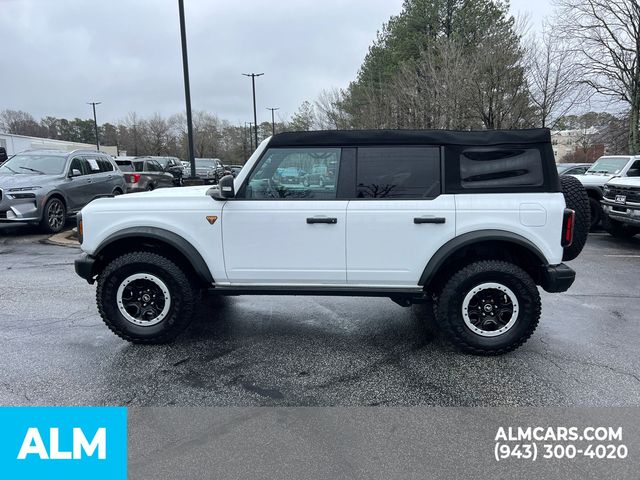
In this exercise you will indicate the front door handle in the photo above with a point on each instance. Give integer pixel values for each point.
(330, 220)
(419, 220)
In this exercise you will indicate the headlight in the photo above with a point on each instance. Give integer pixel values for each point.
(606, 189)
(24, 189)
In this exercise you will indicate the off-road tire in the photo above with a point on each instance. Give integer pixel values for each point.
(45, 223)
(596, 213)
(449, 301)
(183, 296)
(619, 229)
(576, 198)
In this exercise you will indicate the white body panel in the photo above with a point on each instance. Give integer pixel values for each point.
(534, 216)
(182, 211)
(385, 246)
(270, 241)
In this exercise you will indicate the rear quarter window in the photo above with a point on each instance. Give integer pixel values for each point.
(488, 167)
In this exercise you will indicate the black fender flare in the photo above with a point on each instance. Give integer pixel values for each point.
(444, 252)
(165, 236)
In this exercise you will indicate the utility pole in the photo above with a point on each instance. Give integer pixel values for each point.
(187, 92)
(273, 121)
(135, 140)
(255, 113)
(95, 122)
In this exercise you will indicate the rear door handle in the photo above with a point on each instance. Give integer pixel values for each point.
(419, 220)
(330, 220)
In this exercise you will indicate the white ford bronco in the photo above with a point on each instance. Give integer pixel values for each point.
(473, 221)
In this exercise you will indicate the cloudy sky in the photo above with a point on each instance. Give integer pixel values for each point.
(59, 54)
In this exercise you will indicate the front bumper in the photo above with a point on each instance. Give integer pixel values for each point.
(19, 210)
(623, 212)
(557, 278)
(84, 267)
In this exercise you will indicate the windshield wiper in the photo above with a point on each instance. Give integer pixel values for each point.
(33, 170)
(9, 168)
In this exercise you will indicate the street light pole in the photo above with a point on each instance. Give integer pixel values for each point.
(255, 113)
(95, 122)
(187, 92)
(273, 121)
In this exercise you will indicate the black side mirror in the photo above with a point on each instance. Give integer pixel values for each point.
(225, 188)
(3, 154)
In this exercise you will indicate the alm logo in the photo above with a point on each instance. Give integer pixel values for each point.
(63, 442)
(34, 445)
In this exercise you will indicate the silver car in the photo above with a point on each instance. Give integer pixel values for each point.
(144, 174)
(45, 186)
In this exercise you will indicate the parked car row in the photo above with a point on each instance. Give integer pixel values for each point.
(44, 187)
(613, 185)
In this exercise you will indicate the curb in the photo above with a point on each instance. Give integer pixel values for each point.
(67, 238)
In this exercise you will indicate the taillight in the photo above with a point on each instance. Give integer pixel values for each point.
(568, 224)
(134, 177)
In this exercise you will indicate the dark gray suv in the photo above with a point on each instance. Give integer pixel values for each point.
(44, 186)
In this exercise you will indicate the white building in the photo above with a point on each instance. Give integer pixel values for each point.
(566, 141)
(19, 143)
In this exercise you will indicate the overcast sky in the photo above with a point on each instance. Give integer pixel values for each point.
(58, 54)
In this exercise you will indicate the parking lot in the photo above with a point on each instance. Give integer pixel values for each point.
(270, 350)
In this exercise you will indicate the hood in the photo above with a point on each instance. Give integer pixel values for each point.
(625, 182)
(594, 179)
(17, 180)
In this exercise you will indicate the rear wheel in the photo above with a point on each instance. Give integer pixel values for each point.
(144, 297)
(150, 187)
(489, 307)
(54, 216)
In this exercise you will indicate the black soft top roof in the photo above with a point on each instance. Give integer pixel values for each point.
(334, 138)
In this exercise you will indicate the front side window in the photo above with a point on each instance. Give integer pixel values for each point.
(80, 164)
(295, 173)
(398, 172)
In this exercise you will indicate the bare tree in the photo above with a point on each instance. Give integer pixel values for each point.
(329, 111)
(554, 80)
(605, 36)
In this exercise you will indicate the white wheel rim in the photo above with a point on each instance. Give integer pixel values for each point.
(488, 312)
(139, 314)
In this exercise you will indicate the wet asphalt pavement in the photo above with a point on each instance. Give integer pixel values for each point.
(314, 351)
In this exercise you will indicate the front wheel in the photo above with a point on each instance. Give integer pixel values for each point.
(489, 307)
(144, 297)
(596, 213)
(54, 216)
(618, 229)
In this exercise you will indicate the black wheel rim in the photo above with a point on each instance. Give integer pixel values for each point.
(490, 309)
(143, 299)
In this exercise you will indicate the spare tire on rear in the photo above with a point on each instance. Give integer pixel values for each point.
(576, 198)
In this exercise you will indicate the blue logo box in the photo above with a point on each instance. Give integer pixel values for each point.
(63, 442)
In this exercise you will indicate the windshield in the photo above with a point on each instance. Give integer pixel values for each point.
(202, 162)
(562, 168)
(35, 164)
(608, 165)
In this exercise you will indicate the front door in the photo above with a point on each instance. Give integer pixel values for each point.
(286, 233)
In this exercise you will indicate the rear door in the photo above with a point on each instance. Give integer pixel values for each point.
(398, 218)
(97, 178)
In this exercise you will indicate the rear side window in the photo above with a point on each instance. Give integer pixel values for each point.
(125, 166)
(105, 165)
(496, 167)
(398, 172)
